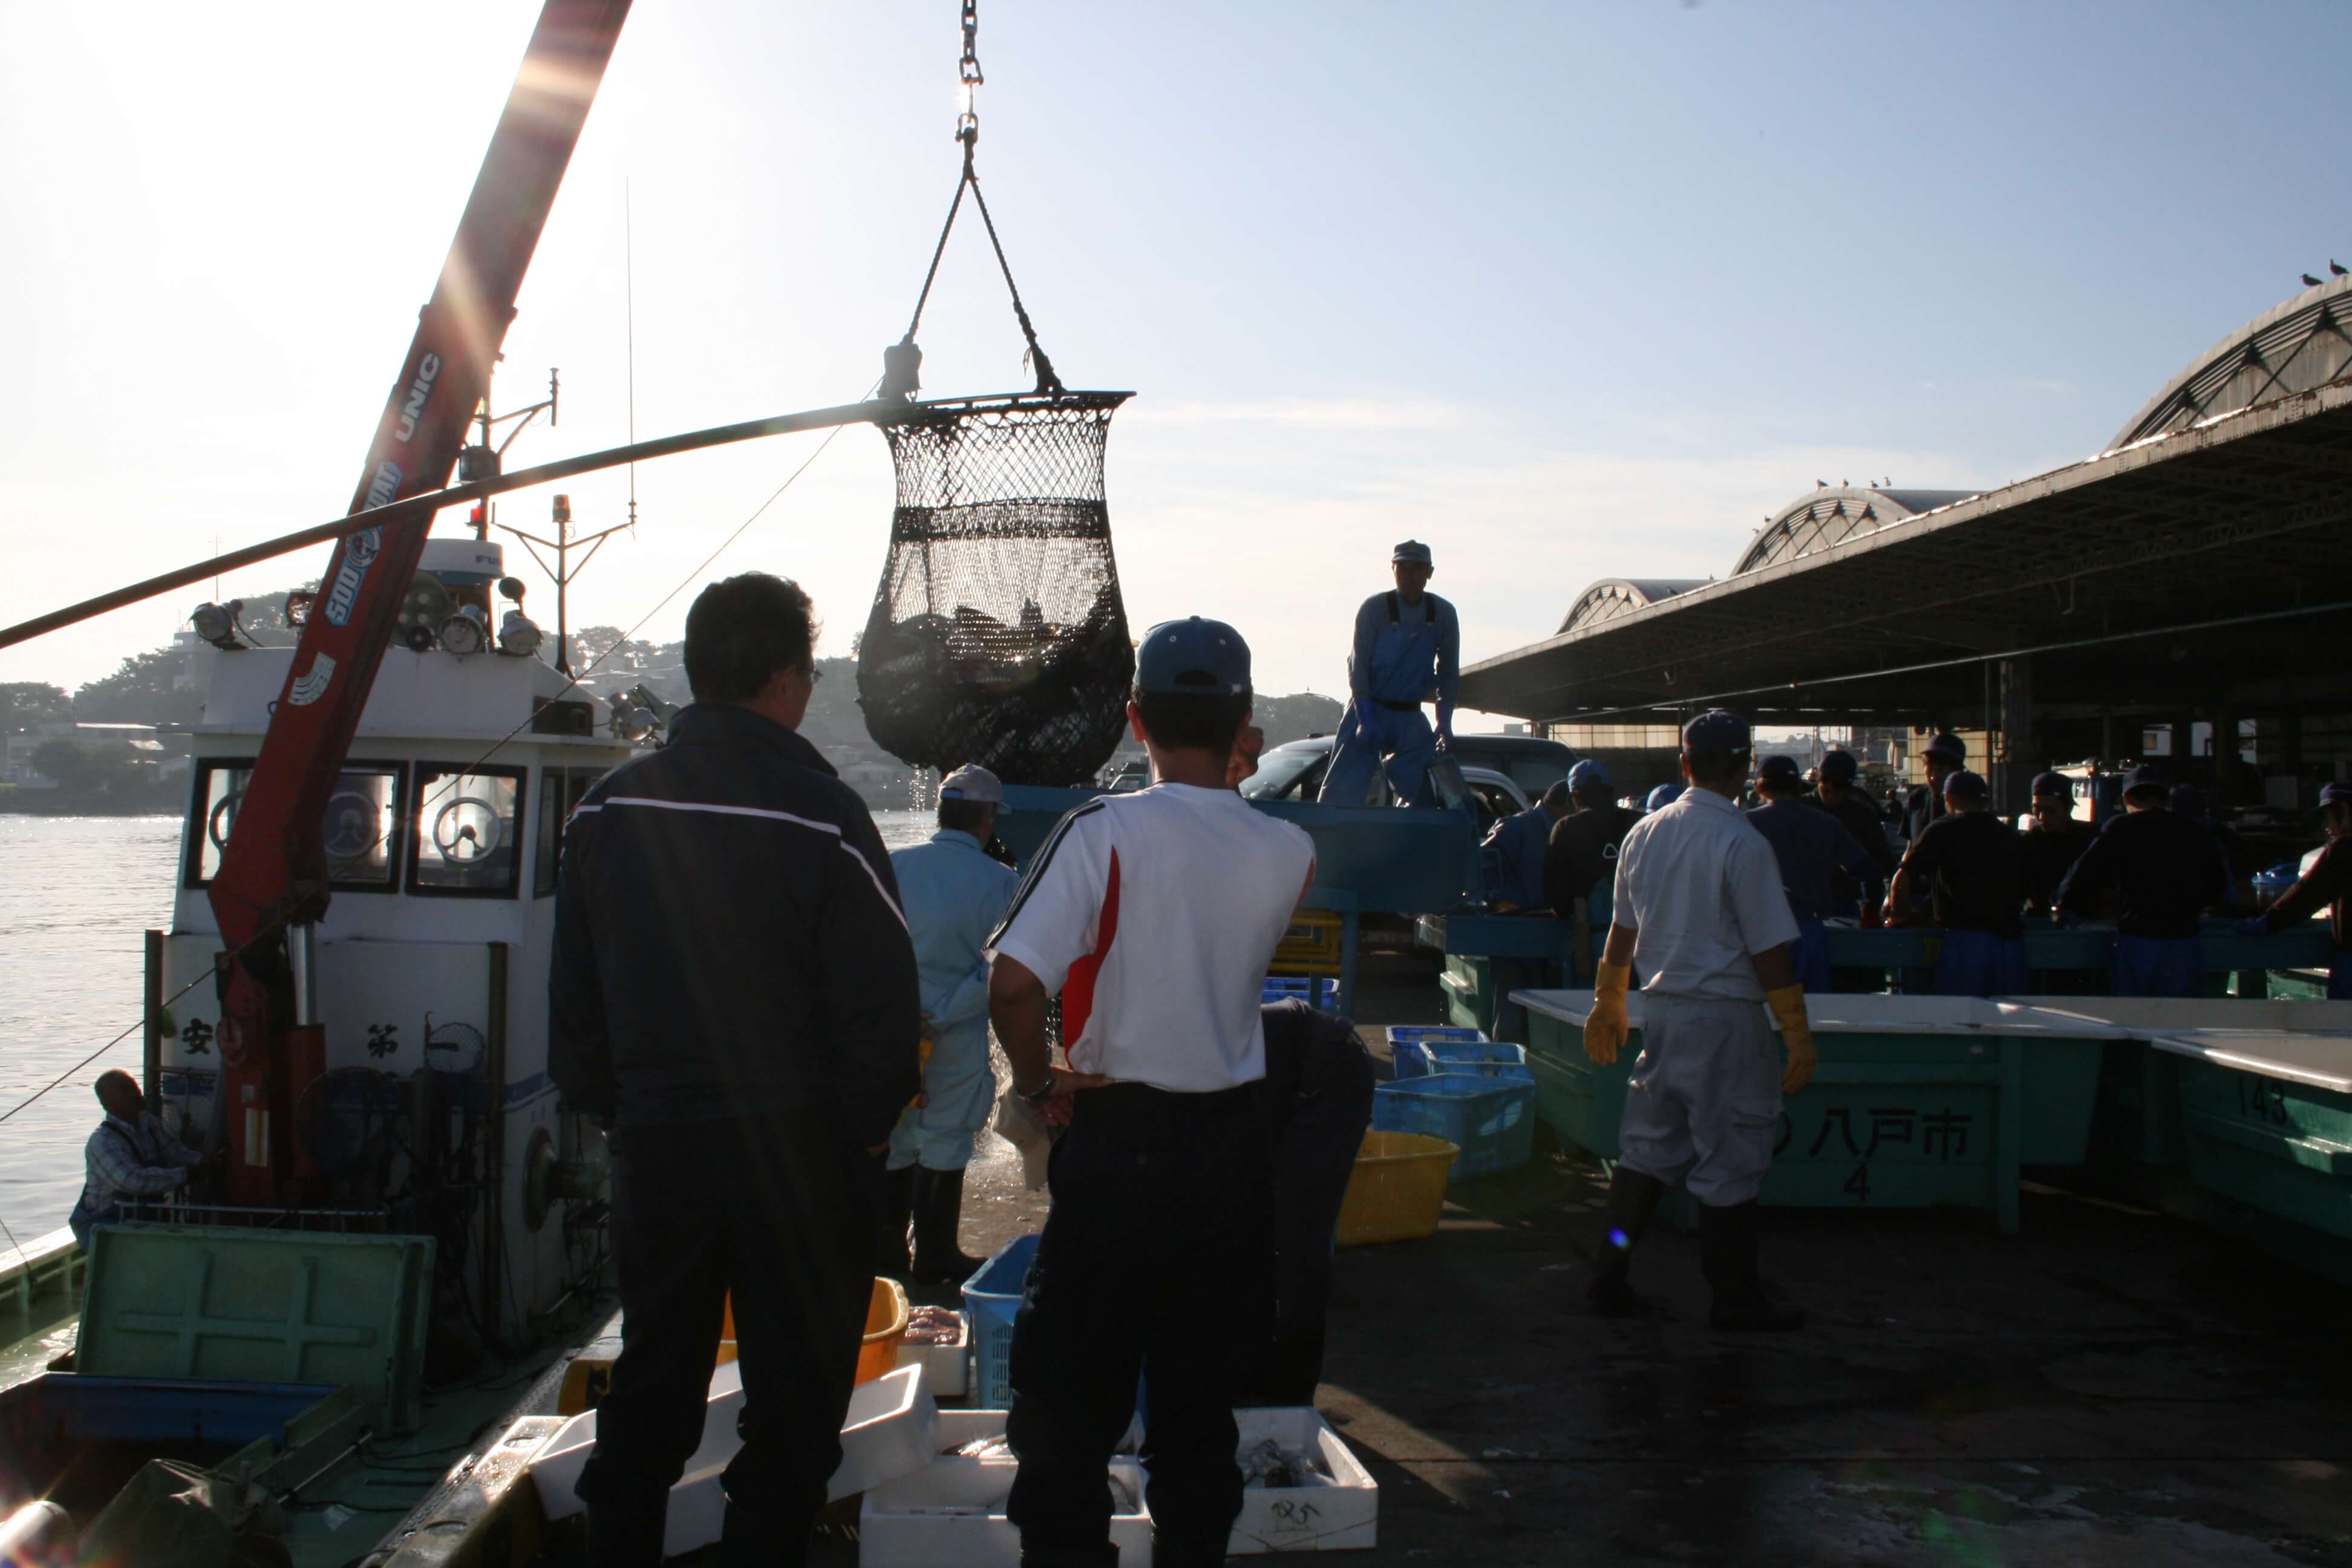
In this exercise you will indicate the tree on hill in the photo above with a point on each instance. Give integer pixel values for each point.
(24, 703)
(145, 691)
(87, 767)
(1296, 717)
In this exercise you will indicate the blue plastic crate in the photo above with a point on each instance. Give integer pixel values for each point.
(1492, 1121)
(1476, 1058)
(1314, 990)
(990, 1299)
(1399, 1034)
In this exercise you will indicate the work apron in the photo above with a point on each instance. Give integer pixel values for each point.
(1979, 964)
(2159, 966)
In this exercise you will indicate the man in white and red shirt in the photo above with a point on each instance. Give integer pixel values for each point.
(1154, 915)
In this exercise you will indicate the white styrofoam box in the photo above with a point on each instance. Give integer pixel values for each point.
(946, 1368)
(953, 1511)
(891, 1430)
(1340, 1515)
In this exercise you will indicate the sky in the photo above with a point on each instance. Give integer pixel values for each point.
(1566, 290)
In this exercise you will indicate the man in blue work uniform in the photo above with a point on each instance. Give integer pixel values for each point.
(1407, 651)
(1946, 756)
(954, 895)
(1514, 852)
(1839, 792)
(1811, 848)
(1972, 866)
(2054, 839)
(2326, 885)
(1699, 906)
(1580, 861)
(2164, 871)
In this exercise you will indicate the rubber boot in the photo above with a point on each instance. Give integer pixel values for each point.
(1633, 1203)
(890, 1242)
(1726, 1250)
(748, 1539)
(939, 1210)
(627, 1534)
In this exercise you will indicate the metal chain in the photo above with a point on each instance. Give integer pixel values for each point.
(968, 72)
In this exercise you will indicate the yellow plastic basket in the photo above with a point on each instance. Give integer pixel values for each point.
(886, 1325)
(1398, 1189)
(1310, 945)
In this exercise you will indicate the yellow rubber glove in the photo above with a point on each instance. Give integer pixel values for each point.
(1605, 1029)
(1787, 1005)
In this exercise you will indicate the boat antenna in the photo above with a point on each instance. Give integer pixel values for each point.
(629, 308)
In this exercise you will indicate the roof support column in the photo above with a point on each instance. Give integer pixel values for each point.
(2018, 756)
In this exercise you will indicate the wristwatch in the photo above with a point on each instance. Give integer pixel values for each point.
(1042, 1093)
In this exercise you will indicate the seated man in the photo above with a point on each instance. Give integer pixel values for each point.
(129, 1156)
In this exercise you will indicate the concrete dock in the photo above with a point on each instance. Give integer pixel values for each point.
(2111, 1385)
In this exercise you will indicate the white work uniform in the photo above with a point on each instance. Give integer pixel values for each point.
(1155, 915)
(1702, 890)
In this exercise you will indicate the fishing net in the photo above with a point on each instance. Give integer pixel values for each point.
(997, 636)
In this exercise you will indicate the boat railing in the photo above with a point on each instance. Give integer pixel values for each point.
(254, 1216)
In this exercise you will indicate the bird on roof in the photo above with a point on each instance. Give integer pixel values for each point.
(1820, 484)
(2309, 281)
(2336, 270)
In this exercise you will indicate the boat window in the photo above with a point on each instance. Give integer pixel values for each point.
(560, 790)
(360, 828)
(465, 844)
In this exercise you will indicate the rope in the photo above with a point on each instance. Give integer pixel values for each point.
(1046, 380)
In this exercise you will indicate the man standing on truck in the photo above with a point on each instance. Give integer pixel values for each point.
(733, 995)
(1407, 651)
(1154, 914)
(1699, 908)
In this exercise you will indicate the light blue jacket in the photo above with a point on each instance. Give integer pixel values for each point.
(954, 895)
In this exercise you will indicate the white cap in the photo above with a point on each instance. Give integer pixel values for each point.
(973, 782)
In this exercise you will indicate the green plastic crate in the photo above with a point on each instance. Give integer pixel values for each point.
(223, 1304)
(1918, 1100)
(2139, 1113)
(2268, 1119)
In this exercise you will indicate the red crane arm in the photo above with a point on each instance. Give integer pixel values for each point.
(273, 869)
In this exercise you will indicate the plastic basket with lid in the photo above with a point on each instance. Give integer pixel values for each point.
(1491, 1121)
(1477, 1059)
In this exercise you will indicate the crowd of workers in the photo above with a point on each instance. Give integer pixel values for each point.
(2158, 867)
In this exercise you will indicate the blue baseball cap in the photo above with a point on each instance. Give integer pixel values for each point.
(1949, 745)
(1779, 770)
(2146, 776)
(1193, 658)
(1412, 552)
(1839, 767)
(1718, 730)
(2189, 800)
(1586, 776)
(2335, 794)
(1965, 785)
(1665, 794)
(2047, 785)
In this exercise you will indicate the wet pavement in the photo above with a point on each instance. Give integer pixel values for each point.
(2111, 1386)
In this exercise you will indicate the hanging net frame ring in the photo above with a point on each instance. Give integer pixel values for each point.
(997, 633)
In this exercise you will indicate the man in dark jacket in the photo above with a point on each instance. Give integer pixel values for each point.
(2164, 872)
(1973, 864)
(1839, 792)
(1580, 859)
(1812, 849)
(734, 997)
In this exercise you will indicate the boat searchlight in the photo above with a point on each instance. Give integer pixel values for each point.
(217, 624)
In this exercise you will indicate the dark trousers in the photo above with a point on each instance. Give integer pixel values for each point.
(1315, 1141)
(781, 1213)
(1154, 1261)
